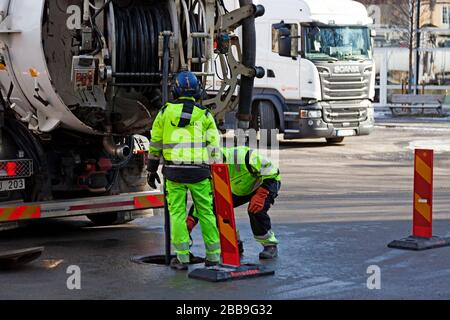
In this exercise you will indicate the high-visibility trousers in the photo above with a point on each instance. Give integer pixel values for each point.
(202, 196)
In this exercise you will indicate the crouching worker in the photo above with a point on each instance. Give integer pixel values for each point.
(254, 180)
(185, 135)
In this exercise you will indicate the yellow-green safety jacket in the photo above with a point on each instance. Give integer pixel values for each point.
(185, 132)
(249, 170)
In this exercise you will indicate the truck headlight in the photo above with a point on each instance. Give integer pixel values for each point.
(310, 114)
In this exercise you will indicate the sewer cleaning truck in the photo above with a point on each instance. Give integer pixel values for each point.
(81, 82)
(320, 72)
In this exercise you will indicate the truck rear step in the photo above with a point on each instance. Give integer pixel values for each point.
(79, 207)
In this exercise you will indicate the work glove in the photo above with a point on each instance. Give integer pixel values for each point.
(191, 223)
(152, 177)
(258, 201)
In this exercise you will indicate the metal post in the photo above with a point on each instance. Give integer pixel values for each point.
(411, 44)
(166, 62)
(168, 253)
(165, 89)
(417, 47)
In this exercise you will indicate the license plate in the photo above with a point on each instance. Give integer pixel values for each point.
(345, 133)
(11, 185)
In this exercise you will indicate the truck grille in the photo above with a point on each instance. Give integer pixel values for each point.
(345, 115)
(11, 169)
(348, 87)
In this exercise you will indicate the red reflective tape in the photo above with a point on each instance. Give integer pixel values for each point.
(101, 206)
(156, 201)
(17, 214)
(148, 202)
(36, 214)
(20, 213)
(236, 274)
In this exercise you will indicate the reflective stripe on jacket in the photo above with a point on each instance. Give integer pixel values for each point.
(185, 132)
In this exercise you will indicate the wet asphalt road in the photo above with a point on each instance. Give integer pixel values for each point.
(339, 208)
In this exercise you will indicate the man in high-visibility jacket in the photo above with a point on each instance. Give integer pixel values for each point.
(257, 181)
(185, 135)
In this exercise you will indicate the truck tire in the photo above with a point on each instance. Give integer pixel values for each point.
(335, 140)
(267, 119)
(111, 218)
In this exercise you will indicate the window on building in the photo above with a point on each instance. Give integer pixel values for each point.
(446, 15)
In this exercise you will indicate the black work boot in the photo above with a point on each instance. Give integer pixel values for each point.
(177, 265)
(241, 247)
(211, 263)
(269, 252)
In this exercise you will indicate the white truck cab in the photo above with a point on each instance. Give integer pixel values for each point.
(320, 71)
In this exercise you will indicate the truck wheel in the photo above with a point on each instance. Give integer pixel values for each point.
(335, 140)
(112, 218)
(267, 119)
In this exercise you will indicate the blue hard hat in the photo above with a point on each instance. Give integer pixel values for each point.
(186, 85)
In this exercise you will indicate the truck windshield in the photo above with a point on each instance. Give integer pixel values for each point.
(337, 43)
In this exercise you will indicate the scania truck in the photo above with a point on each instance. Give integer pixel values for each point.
(320, 72)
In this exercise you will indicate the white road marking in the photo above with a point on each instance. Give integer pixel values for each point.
(392, 254)
(436, 145)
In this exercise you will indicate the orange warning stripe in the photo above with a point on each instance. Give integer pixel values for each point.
(20, 213)
(228, 232)
(423, 208)
(222, 188)
(424, 170)
(149, 202)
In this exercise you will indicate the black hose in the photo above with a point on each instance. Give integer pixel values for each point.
(101, 9)
(137, 38)
(249, 60)
(165, 78)
(167, 232)
(223, 6)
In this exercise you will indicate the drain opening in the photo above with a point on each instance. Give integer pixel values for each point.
(161, 260)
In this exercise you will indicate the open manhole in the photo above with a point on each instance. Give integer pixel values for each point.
(12, 259)
(161, 259)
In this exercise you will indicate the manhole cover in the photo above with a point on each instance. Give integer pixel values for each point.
(15, 258)
(161, 260)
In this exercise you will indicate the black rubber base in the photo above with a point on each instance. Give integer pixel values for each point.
(418, 244)
(226, 273)
(12, 259)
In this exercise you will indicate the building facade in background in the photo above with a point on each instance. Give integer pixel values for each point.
(396, 48)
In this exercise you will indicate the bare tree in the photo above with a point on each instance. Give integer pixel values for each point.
(401, 17)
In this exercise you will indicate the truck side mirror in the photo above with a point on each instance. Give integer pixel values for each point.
(287, 39)
(373, 33)
(284, 42)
